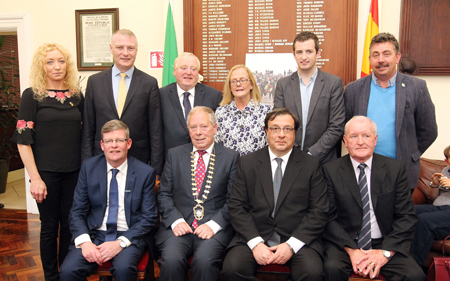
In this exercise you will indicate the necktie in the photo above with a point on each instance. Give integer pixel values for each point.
(275, 239)
(364, 239)
(111, 222)
(199, 176)
(186, 104)
(122, 94)
(277, 183)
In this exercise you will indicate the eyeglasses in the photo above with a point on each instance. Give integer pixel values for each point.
(286, 130)
(242, 81)
(118, 141)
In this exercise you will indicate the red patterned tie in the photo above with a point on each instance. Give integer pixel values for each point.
(199, 176)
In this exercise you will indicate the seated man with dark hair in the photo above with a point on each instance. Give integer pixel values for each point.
(433, 220)
(113, 211)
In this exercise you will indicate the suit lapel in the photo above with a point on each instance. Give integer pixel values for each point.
(175, 100)
(317, 91)
(217, 150)
(135, 82)
(199, 95)
(265, 175)
(363, 98)
(103, 180)
(349, 178)
(186, 173)
(129, 189)
(109, 93)
(295, 90)
(293, 169)
(400, 103)
(378, 175)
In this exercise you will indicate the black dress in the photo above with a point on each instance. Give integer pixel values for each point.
(53, 129)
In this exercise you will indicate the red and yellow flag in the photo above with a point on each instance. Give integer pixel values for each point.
(371, 31)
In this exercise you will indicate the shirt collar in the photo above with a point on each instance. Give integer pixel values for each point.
(181, 91)
(284, 157)
(249, 108)
(356, 163)
(391, 81)
(122, 168)
(313, 77)
(208, 150)
(116, 71)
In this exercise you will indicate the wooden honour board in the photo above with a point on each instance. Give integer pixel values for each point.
(223, 33)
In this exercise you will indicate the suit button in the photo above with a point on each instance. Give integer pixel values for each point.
(357, 232)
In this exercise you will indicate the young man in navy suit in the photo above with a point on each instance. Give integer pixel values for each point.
(114, 210)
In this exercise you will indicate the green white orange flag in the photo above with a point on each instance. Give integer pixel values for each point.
(371, 30)
(170, 49)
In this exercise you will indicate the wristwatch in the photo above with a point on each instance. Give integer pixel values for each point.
(432, 186)
(386, 254)
(290, 248)
(122, 243)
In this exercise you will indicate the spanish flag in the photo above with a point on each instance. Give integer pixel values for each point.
(371, 31)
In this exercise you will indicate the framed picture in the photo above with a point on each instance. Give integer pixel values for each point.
(94, 31)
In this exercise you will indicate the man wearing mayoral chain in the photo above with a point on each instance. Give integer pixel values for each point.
(192, 200)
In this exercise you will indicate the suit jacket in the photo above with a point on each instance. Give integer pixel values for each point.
(175, 199)
(391, 200)
(302, 204)
(141, 112)
(326, 114)
(415, 119)
(90, 199)
(175, 129)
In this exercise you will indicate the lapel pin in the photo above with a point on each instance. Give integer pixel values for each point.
(127, 190)
(403, 85)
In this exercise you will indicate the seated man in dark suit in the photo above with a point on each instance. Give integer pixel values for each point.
(371, 211)
(192, 201)
(178, 98)
(113, 211)
(278, 206)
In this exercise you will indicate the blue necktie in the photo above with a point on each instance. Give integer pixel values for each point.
(111, 222)
(187, 105)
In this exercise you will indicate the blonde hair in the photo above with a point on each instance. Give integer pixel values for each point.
(254, 93)
(38, 73)
(124, 32)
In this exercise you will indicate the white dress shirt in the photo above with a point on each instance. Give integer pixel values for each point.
(190, 98)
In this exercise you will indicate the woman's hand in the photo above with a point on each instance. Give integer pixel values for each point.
(38, 190)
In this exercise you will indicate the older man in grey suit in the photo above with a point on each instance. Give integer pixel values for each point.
(399, 104)
(192, 200)
(316, 98)
(178, 98)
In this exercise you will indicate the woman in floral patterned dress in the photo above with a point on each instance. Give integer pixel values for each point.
(240, 118)
(48, 139)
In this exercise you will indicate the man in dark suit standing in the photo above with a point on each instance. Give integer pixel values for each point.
(192, 201)
(371, 211)
(114, 210)
(278, 207)
(316, 98)
(399, 104)
(178, 98)
(124, 92)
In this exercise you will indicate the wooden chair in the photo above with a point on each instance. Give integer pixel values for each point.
(145, 269)
(283, 272)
